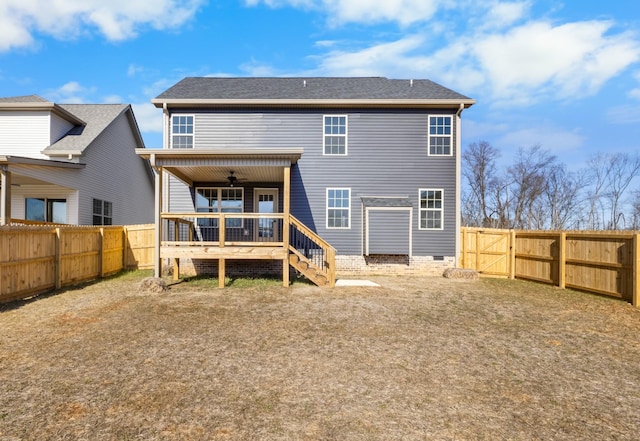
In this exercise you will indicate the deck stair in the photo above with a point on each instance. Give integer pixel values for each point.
(311, 255)
(307, 268)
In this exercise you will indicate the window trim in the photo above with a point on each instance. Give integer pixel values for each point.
(346, 135)
(426, 210)
(192, 134)
(429, 135)
(327, 208)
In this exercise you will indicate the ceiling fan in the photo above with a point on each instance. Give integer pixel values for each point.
(232, 178)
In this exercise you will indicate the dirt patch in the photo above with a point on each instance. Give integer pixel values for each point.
(413, 359)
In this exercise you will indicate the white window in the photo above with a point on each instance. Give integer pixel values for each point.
(220, 200)
(440, 135)
(102, 212)
(430, 209)
(338, 207)
(335, 135)
(182, 131)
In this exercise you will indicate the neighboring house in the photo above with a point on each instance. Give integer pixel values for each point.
(72, 164)
(368, 165)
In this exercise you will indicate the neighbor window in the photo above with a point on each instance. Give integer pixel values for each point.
(46, 210)
(335, 134)
(440, 135)
(219, 200)
(430, 209)
(338, 207)
(102, 212)
(182, 131)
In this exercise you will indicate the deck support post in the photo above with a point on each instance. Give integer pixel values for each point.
(158, 219)
(286, 209)
(5, 195)
(221, 272)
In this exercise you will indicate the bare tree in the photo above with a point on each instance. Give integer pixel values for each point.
(624, 169)
(561, 196)
(479, 170)
(598, 171)
(528, 176)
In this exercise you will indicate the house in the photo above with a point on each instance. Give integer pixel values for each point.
(323, 175)
(72, 164)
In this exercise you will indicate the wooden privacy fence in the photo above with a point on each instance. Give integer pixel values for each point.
(35, 259)
(602, 262)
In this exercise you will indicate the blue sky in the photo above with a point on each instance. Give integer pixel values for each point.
(562, 74)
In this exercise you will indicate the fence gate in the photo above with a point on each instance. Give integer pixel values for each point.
(487, 251)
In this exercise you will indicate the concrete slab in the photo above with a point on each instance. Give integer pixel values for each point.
(344, 282)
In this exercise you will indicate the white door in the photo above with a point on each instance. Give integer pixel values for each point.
(266, 202)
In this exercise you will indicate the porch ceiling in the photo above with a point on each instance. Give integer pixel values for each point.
(208, 165)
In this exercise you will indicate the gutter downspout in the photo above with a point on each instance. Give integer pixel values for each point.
(458, 181)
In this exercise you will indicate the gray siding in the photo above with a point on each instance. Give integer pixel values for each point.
(116, 174)
(387, 156)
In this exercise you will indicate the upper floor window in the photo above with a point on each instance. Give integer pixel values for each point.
(430, 209)
(338, 207)
(102, 212)
(440, 135)
(335, 135)
(182, 131)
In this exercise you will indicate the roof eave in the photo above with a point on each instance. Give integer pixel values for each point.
(365, 103)
(53, 107)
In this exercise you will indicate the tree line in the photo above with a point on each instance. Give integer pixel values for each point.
(539, 192)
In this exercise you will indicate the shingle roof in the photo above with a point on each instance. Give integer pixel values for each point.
(23, 99)
(97, 118)
(299, 88)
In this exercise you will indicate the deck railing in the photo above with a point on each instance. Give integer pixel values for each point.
(223, 229)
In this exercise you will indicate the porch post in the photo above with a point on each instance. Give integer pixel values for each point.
(5, 195)
(158, 229)
(286, 209)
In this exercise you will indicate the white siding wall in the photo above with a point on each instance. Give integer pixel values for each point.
(24, 133)
(59, 127)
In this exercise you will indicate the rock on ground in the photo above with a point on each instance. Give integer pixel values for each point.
(461, 273)
(152, 284)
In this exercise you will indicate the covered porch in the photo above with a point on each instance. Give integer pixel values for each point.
(238, 208)
(19, 173)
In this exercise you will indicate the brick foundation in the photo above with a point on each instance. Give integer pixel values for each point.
(345, 265)
(393, 265)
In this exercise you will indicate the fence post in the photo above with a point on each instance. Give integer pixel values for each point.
(463, 247)
(512, 255)
(562, 259)
(58, 261)
(101, 262)
(635, 298)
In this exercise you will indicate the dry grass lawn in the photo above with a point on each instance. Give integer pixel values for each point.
(414, 359)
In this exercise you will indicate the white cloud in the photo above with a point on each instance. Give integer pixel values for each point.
(71, 92)
(112, 99)
(404, 12)
(115, 19)
(501, 14)
(549, 137)
(569, 60)
(149, 118)
(523, 65)
(134, 69)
